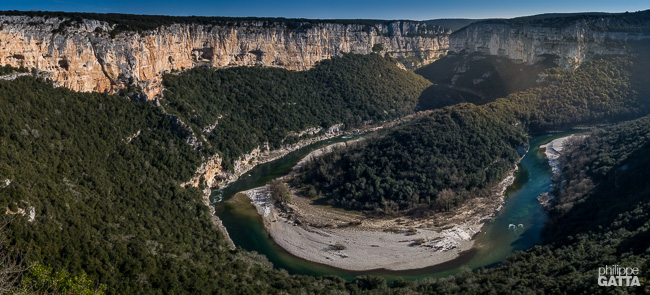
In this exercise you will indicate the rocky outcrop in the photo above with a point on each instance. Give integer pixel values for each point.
(86, 56)
(30, 212)
(571, 43)
(91, 55)
(215, 176)
(553, 151)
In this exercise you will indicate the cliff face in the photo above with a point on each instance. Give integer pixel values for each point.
(84, 57)
(573, 43)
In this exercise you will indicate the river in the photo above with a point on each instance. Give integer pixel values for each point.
(495, 243)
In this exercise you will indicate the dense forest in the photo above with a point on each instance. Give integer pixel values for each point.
(601, 163)
(383, 175)
(108, 204)
(601, 91)
(433, 163)
(103, 203)
(600, 217)
(238, 109)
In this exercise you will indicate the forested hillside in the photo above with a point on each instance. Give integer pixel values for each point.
(429, 165)
(379, 174)
(600, 172)
(238, 109)
(601, 91)
(481, 79)
(103, 174)
(600, 218)
(105, 204)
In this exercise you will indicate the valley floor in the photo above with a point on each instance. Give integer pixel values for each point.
(348, 240)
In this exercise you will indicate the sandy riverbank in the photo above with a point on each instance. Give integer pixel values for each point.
(349, 240)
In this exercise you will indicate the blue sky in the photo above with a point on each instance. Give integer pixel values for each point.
(378, 9)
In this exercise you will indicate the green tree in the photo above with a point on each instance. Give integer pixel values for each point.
(43, 280)
(279, 191)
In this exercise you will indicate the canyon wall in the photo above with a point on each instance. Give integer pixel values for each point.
(85, 56)
(571, 43)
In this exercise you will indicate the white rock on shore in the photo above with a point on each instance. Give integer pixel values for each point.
(553, 151)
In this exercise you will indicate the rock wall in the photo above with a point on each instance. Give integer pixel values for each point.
(572, 43)
(215, 176)
(84, 56)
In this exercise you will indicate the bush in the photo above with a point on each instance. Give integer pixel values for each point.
(279, 191)
(338, 246)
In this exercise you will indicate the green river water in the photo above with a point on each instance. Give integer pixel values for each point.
(496, 241)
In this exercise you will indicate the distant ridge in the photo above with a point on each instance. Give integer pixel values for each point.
(452, 23)
(567, 14)
(137, 22)
(599, 21)
(150, 21)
